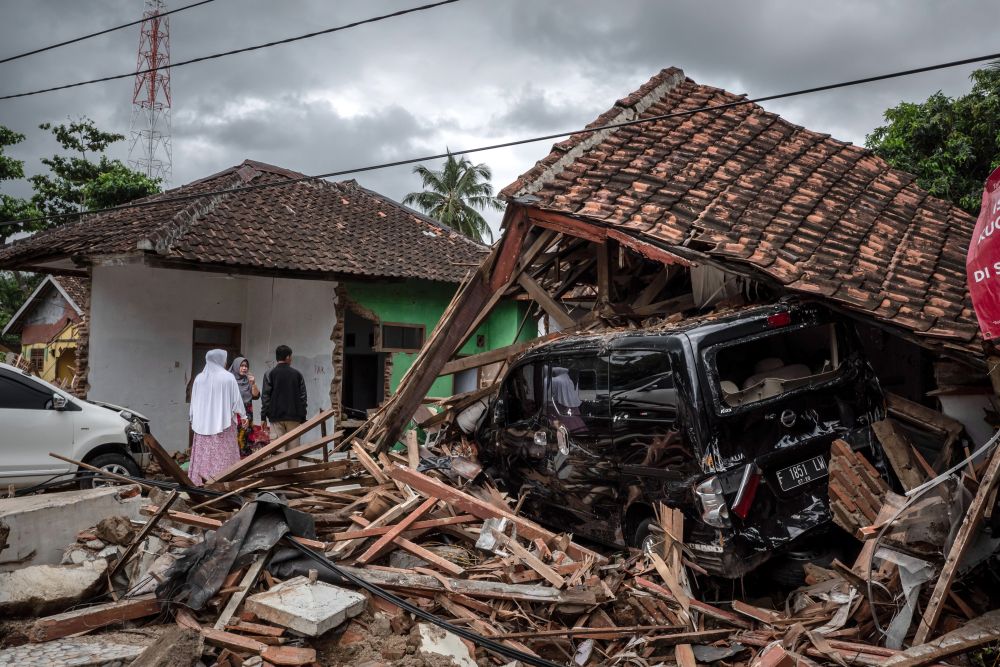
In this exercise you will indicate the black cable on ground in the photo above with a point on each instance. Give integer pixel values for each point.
(245, 49)
(148, 201)
(100, 32)
(485, 642)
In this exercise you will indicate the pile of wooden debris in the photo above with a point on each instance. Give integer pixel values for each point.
(395, 566)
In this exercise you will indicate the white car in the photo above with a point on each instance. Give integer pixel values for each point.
(37, 418)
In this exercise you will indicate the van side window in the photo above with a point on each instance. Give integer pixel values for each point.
(577, 392)
(18, 395)
(642, 382)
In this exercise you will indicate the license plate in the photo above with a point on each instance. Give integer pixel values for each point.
(802, 473)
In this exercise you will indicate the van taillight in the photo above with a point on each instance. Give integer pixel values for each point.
(747, 491)
(782, 319)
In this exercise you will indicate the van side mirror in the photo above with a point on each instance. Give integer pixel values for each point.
(58, 401)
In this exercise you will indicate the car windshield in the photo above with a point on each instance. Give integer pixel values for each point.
(761, 368)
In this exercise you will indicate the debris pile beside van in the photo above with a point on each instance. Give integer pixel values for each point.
(399, 558)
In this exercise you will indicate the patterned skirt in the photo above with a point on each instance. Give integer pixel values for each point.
(211, 455)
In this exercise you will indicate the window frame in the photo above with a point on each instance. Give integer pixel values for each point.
(27, 384)
(380, 344)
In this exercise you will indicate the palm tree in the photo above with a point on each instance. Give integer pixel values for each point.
(456, 194)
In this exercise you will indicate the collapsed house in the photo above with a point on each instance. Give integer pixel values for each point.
(386, 534)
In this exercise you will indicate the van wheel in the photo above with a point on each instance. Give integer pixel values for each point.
(119, 464)
(645, 539)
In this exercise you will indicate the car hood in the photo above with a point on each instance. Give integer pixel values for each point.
(118, 408)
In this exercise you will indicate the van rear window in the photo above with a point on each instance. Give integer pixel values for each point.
(762, 368)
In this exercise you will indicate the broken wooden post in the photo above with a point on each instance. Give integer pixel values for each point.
(963, 540)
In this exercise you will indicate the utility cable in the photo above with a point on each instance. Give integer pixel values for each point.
(158, 201)
(245, 49)
(101, 32)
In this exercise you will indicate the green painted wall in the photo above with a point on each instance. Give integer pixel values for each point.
(423, 302)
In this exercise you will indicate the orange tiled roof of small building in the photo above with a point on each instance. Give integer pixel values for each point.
(742, 185)
(311, 226)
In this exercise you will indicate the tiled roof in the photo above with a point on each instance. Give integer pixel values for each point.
(313, 226)
(817, 215)
(77, 288)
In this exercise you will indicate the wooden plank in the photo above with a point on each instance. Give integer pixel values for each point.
(548, 304)
(232, 641)
(482, 509)
(87, 466)
(238, 468)
(900, 454)
(91, 618)
(412, 449)
(963, 540)
(430, 556)
(696, 605)
(256, 629)
(609, 633)
(237, 598)
(974, 634)
(143, 532)
(368, 463)
(292, 454)
(390, 515)
(567, 225)
(166, 462)
(684, 656)
(375, 550)
(496, 590)
(603, 273)
(229, 494)
(530, 559)
(419, 525)
(208, 523)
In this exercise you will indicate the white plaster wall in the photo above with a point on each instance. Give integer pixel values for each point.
(141, 335)
(301, 315)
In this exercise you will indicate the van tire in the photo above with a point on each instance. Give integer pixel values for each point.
(643, 533)
(112, 462)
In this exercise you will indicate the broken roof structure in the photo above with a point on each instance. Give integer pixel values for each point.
(690, 179)
(743, 187)
(271, 222)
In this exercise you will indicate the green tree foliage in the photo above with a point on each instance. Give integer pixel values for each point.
(79, 183)
(456, 194)
(950, 144)
(81, 180)
(15, 286)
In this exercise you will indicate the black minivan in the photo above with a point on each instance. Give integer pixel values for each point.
(727, 417)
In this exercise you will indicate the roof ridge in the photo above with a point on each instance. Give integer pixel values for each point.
(631, 107)
(163, 237)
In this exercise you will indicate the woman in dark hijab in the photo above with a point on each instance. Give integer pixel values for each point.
(240, 368)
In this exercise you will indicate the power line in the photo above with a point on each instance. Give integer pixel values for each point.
(515, 142)
(245, 49)
(99, 33)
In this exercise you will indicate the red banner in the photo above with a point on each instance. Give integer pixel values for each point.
(982, 265)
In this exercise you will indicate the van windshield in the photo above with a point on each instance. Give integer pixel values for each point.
(786, 360)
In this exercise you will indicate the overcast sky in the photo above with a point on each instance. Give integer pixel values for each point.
(471, 73)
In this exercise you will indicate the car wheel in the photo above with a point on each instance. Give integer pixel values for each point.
(119, 464)
(645, 539)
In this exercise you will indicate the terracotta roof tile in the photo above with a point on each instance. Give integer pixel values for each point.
(818, 215)
(313, 226)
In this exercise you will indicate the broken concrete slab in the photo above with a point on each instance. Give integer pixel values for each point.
(436, 641)
(309, 608)
(38, 528)
(40, 590)
(76, 652)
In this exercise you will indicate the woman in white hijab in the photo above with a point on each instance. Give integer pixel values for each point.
(215, 399)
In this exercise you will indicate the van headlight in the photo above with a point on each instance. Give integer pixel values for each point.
(133, 430)
(713, 504)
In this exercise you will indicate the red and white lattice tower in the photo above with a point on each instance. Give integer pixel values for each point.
(150, 126)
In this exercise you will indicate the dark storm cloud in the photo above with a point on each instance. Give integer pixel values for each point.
(466, 74)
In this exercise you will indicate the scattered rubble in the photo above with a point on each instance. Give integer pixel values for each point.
(355, 557)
